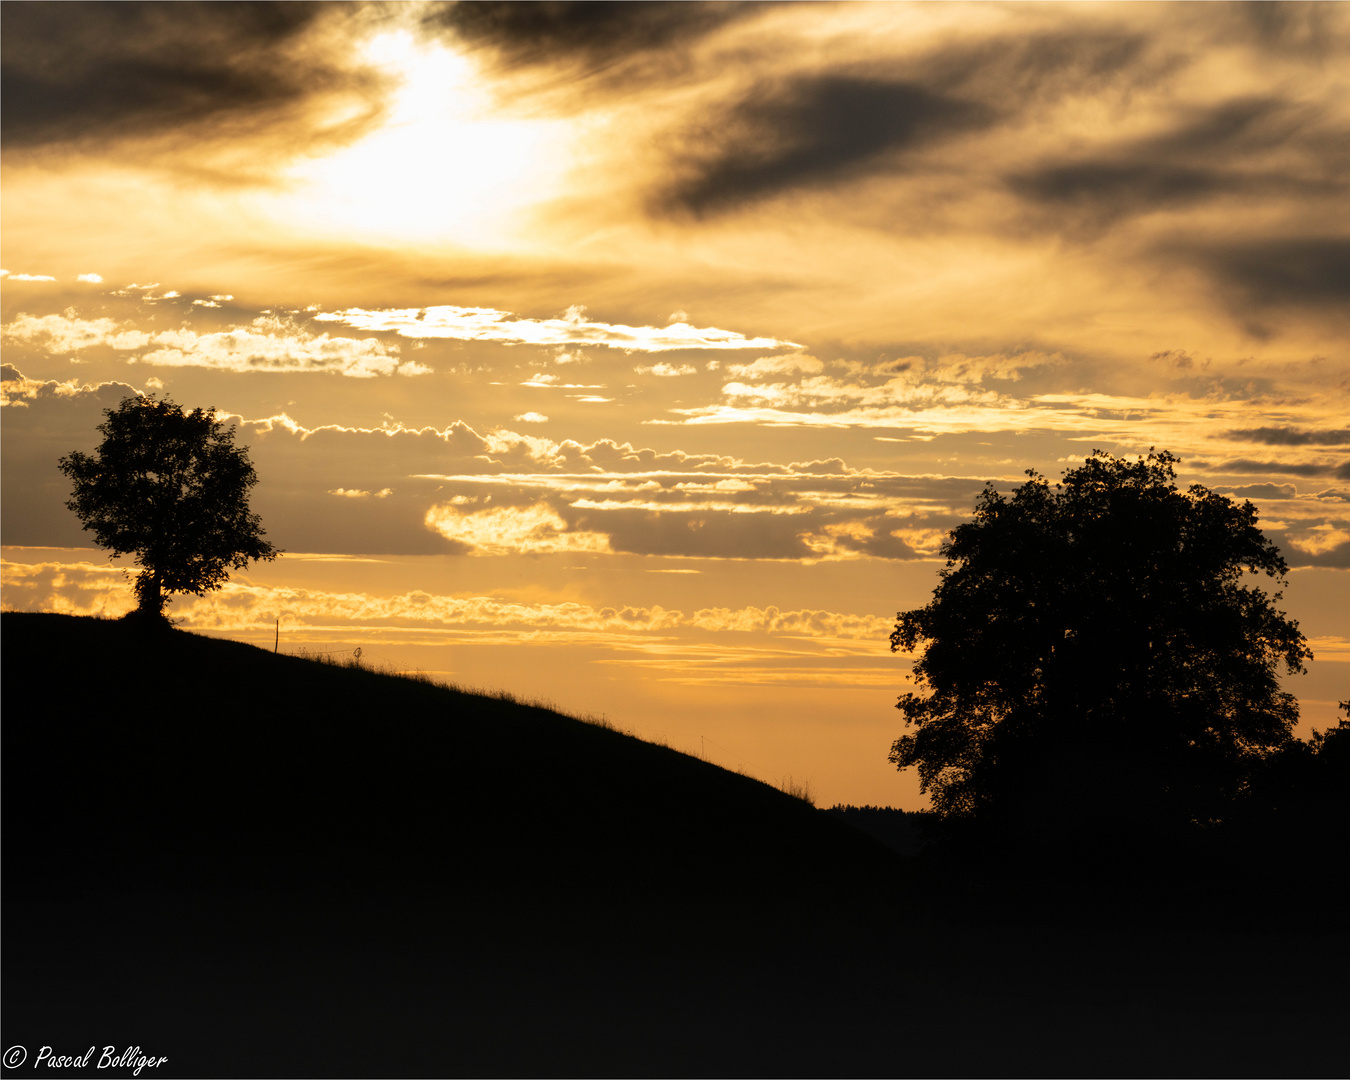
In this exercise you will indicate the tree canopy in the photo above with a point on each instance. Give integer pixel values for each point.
(1091, 650)
(171, 488)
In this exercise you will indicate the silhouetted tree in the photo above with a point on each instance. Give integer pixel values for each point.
(171, 488)
(1092, 654)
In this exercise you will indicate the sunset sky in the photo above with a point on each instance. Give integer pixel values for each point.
(639, 357)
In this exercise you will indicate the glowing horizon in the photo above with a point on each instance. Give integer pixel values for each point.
(668, 343)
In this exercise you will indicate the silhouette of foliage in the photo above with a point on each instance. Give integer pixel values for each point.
(1092, 655)
(171, 488)
(1305, 787)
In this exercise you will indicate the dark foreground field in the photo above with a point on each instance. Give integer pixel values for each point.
(257, 865)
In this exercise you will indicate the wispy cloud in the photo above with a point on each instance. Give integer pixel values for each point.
(84, 588)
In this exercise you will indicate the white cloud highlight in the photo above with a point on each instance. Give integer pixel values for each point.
(777, 365)
(276, 344)
(270, 343)
(354, 493)
(17, 389)
(528, 530)
(667, 371)
(1320, 539)
(69, 333)
(573, 328)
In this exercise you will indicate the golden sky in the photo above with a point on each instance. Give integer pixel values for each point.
(639, 357)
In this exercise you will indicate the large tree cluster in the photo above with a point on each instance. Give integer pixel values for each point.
(1093, 652)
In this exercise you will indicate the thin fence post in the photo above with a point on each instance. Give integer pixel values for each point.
(277, 643)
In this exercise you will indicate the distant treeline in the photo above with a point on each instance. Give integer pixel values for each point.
(900, 830)
(1296, 797)
(1283, 837)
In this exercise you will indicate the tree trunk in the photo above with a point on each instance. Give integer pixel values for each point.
(150, 594)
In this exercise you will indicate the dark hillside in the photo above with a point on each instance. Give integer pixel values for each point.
(175, 800)
(227, 766)
(262, 865)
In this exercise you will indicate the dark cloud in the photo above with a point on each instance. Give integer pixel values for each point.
(1261, 491)
(607, 455)
(705, 534)
(1290, 27)
(46, 421)
(723, 534)
(1244, 465)
(300, 517)
(1028, 72)
(1337, 558)
(776, 516)
(1239, 124)
(1289, 436)
(1205, 156)
(1112, 189)
(877, 541)
(108, 70)
(1271, 154)
(1311, 271)
(586, 37)
(813, 130)
(1177, 358)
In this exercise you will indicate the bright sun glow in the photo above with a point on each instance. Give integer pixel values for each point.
(442, 167)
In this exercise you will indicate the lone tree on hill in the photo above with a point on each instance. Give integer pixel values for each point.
(171, 488)
(1093, 656)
